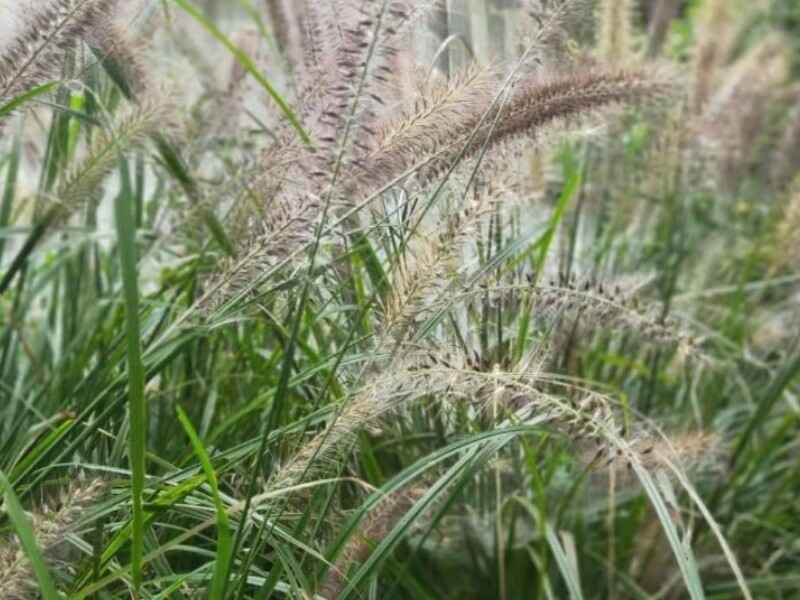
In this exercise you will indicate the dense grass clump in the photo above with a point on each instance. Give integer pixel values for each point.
(398, 299)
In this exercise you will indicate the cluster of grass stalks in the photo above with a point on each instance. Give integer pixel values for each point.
(293, 309)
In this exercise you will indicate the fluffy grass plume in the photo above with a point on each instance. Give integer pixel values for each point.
(51, 524)
(52, 29)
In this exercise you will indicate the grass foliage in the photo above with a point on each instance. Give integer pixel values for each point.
(294, 309)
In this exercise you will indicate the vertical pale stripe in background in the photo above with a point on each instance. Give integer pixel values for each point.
(481, 38)
(437, 23)
(8, 22)
(496, 24)
(486, 27)
(660, 19)
(458, 21)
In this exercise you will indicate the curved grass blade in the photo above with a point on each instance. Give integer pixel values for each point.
(18, 101)
(715, 528)
(478, 450)
(41, 447)
(568, 571)
(682, 551)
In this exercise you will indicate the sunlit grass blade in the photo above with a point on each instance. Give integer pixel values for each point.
(680, 548)
(715, 528)
(568, 571)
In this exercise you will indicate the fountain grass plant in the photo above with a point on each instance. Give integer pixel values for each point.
(326, 322)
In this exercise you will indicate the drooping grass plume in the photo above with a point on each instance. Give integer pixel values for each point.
(442, 109)
(51, 524)
(81, 186)
(50, 31)
(376, 526)
(121, 55)
(537, 101)
(384, 392)
(698, 453)
(128, 132)
(418, 374)
(586, 306)
(541, 100)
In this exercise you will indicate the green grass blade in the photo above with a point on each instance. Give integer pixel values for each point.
(9, 190)
(571, 186)
(224, 532)
(115, 70)
(372, 263)
(772, 393)
(126, 234)
(42, 446)
(24, 531)
(18, 101)
(36, 235)
(715, 528)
